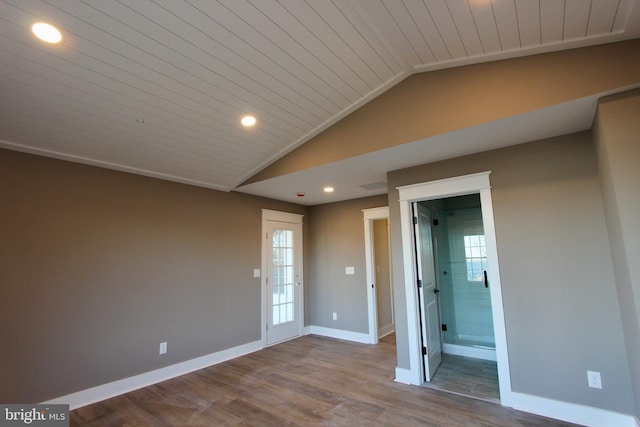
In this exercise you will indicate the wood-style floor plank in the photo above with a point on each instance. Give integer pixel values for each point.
(310, 381)
(467, 376)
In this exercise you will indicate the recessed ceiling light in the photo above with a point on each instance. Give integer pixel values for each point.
(248, 121)
(46, 32)
(328, 189)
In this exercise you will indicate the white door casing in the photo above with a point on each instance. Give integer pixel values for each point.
(427, 291)
(457, 186)
(371, 215)
(282, 277)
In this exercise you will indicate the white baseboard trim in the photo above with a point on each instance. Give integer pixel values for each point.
(306, 330)
(571, 412)
(340, 334)
(125, 385)
(564, 411)
(462, 350)
(404, 376)
(386, 330)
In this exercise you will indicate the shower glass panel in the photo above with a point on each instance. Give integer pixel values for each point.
(465, 302)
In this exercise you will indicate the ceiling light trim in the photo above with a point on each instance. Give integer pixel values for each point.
(248, 121)
(46, 32)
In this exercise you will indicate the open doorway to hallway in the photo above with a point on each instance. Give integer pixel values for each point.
(378, 269)
(383, 283)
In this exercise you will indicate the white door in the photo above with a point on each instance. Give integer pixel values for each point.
(283, 278)
(428, 292)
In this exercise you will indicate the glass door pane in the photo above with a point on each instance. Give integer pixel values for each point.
(282, 272)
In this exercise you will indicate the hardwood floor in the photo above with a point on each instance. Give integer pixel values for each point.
(467, 376)
(310, 381)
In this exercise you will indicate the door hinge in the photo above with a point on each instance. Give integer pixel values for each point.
(419, 283)
(424, 351)
(415, 220)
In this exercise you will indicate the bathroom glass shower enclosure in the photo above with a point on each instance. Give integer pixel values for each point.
(461, 270)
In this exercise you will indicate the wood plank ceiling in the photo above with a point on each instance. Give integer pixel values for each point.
(158, 87)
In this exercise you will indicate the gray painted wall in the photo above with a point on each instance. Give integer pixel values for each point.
(617, 130)
(560, 300)
(336, 240)
(98, 267)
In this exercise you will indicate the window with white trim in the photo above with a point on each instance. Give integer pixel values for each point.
(475, 252)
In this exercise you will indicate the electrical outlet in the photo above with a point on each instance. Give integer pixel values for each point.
(594, 379)
(163, 347)
(335, 316)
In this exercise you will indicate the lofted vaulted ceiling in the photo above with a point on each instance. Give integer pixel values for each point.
(158, 87)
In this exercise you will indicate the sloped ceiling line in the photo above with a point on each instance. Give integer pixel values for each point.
(189, 69)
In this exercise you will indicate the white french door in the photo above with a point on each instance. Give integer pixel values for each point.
(283, 276)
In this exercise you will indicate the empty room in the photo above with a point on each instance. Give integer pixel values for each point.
(313, 212)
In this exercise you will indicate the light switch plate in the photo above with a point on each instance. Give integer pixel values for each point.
(350, 270)
(256, 272)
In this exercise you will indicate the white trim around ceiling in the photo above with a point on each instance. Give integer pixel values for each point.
(107, 165)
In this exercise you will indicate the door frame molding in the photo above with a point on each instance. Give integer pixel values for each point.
(286, 217)
(370, 215)
(451, 187)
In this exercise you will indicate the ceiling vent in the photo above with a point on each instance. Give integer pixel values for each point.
(374, 186)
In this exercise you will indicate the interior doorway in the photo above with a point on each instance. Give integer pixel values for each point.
(378, 271)
(454, 299)
(458, 186)
(383, 282)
